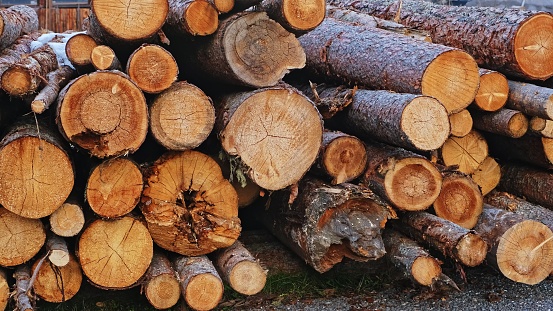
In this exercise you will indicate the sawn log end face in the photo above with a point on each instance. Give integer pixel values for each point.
(201, 18)
(20, 238)
(248, 277)
(344, 159)
(471, 250)
(533, 46)
(426, 123)
(304, 15)
(152, 68)
(163, 291)
(493, 90)
(49, 279)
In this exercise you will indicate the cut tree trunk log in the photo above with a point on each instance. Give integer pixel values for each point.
(161, 286)
(506, 122)
(191, 18)
(487, 175)
(531, 183)
(531, 99)
(104, 113)
(507, 40)
(521, 249)
(241, 40)
(115, 253)
(24, 300)
(27, 75)
(56, 247)
(240, 269)
(297, 17)
(410, 258)
(406, 180)
(323, 223)
(152, 68)
(493, 91)
(103, 57)
(13, 53)
(201, 286)
(384, 60)
(36, 173)
(463, 245)
(467, 152)
(114, 187)
(79, 51)
(4, 290)
(182, 117)
(279, 144)
(461, 123)
(529, 148)
(57, 284)
(57, 79)
(460, 200)
(190, 208)
(68, 220)
(20, 238)
(342, 157)
(15, 22)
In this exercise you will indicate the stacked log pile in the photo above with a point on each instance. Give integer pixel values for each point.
(154, 126)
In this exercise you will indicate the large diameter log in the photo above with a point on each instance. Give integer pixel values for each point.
(79, 51)
(280, 143)
(521, 249)
(529, 148)
(190, 208)
(57, 284)
(15, 22)
(20, 238)
(68, 220)
(4, 290)
(410, 258)
(36, 173)
(13, 53)
(487, 175)
(104, 113)
(326, 223)
(201, 286)
(507, 40)
(114, 187)
(152, 68)
(240, 269)
(463, 245)
(57, 79)
(161, 286)
(506, 122)
(181, 117)
(405, 179)
(191, 17)
(242, 40)
(461, 123)
(460, 200)
(531, 99)
(295, 16)
(384, 60)
(115, 253)
(467, 152)
(531, 183)
(493, 90)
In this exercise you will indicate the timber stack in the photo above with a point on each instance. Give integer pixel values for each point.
(155, 125)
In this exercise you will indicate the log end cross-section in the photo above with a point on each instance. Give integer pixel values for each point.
(467, 152)
(79, 50)
(152, 68)
(190, 208)
(342, 157)
(58, 284)
(20, 238)
(493, 90)
(533, 45)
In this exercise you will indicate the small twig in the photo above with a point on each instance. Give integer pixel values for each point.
(35, 273)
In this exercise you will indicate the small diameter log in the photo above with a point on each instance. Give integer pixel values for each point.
(405, 179)
(161, 286)
(191, 17)
(541, 127)
(487, 175)
(461, 123)
(521, 249)
(511, 41)
(460, 200)
(58, 254)
(342, 157)
(506, 122)
(222, 6)
(114, 187)
(36, 173)
(297, 17)
(24, 300)
(529, 148)
(241, 40)
(68, 220)
(240, 269)
(201, 286)
(20, 238)
(190, 208)
(25, 76)
(323, 224)
(380, 59)
(410, 258)
(463, 245)
(493, 90)
(280, 143)
(531, 183)
(15, 52)
(103, 57)
(152, 68)
(4, 290)
(531, 99)
(79, 51)
(15, 22)
(104, 113)
(467, 152)
(58, 284)
(57, 79)
(115, 253)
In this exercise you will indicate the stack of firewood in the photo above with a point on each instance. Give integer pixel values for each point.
(154, 126)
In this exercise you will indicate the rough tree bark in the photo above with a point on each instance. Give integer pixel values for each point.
(15, 22)
(323, 223)
(328, 99)
(296, 16)
(493, 90)
(506, 122)
(161, 286)
(487, 175)
(190, 208)
(13, 53)
(68, 220)
(152, 68)
(191, 18)
(20, 238)
(24, 300)
(531, 183)
(507, 40)
(58, 284)
(57, 79)
(384, 60)
(103, 57)
(461, 123)
(79, 51)
(466, 152)
(529, 148)
(531, 99)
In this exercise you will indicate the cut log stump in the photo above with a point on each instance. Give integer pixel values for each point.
(461, 123)
(56, 247)
(58, 284)
(161, 286)
(103, 57)
(487, 175)
(20, 238)
(79, 51)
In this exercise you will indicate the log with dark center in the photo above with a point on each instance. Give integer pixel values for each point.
(20, 238)
(493, 90)
(57, 284)
(161, 286)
